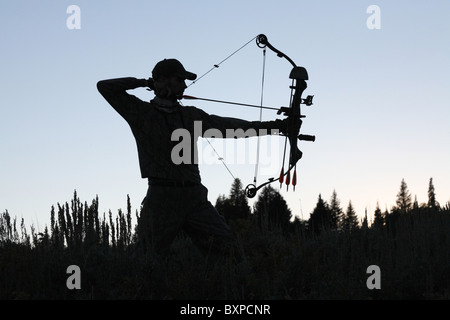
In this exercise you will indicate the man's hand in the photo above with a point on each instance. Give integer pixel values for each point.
(282, 125)
(151, 83)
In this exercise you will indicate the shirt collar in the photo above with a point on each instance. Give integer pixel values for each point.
(165, 105)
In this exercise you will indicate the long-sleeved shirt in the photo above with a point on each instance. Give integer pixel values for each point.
(153, 125)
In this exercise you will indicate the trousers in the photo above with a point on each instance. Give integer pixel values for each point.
(166, 210)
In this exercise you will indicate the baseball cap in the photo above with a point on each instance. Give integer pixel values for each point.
(169, 67)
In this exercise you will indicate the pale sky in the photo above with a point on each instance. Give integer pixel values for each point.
(380, 113)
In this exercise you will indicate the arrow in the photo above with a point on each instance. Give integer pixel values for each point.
(229, 102)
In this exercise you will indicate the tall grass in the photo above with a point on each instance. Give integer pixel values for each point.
(412, 251)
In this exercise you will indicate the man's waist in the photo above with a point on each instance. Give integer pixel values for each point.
(171, 183)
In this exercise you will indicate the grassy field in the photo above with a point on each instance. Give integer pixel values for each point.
(412, 251)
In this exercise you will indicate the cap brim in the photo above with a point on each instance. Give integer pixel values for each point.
(190, 76)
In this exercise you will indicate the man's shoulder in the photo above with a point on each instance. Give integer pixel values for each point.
(193, 111)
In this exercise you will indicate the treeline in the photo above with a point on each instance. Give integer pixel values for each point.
(324, 257)
(271, 210)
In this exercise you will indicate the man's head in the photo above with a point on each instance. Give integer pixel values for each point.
(169, 76)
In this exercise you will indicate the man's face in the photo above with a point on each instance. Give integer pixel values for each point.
(176, 87)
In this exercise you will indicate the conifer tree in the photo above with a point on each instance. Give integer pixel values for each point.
(432, 203)
(415, 205)
(320, 219)
(272, 210)
(239, 200)
(365, 222)
(404, 201)
(378, 220)
(336, 212)
(222, 203)
(350, 219)
(236, 205)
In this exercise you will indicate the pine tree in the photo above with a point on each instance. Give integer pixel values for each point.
(320, 219)
(239, 200)
(415, 205)
(365, 222)
(336, 211)
(272, 210)
(378, 221)
(432, 203)
(236, 205)
(350, 219)
(223, 205)
(404, 202)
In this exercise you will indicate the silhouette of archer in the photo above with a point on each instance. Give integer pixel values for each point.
(176, 199)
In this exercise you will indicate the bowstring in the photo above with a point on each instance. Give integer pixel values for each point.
(221, 159)
(260, 112)
(282, 173)
(258, 143)
(218, 64)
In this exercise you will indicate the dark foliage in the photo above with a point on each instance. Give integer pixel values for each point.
(410, 244)
(236, 205)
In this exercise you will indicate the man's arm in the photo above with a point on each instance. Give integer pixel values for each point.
(115, 92)
(240, 128)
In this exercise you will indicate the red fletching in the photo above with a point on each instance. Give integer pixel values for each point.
(281, 178)
(288, 179)
(294, 178)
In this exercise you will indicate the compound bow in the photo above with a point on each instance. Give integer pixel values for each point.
(299, 75)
